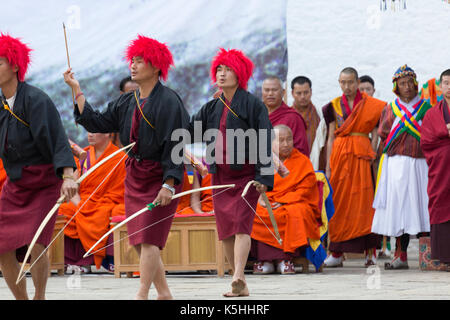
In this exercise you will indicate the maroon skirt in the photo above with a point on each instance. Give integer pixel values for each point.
(233, 214)
(24, 205)
(142, 184)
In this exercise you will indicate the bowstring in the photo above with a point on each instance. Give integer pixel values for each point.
(260, 219)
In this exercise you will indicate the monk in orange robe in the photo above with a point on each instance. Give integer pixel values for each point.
(350, 152)
(295, 203)
(93, 220)
(197, 202)
(185, 201)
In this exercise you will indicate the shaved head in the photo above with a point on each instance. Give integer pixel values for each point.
(272, 93)
(273, 78)
(283, 143)
(283, 128)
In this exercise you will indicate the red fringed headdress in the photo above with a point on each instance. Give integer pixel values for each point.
(153, 52)
(237, 61)
(17, 54)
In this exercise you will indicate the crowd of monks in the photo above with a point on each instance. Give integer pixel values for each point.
(345, 139)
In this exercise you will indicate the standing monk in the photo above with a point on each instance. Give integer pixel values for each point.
(280, 113)
(235, 110)
(350, 118)
(435, 143)
(401, 200)
(148, 117)
(39, 163)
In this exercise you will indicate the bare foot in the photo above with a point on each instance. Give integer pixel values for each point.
(141, 296)
(164, 296)
(238, 289)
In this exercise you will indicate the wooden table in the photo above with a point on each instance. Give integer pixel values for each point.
(192, 245)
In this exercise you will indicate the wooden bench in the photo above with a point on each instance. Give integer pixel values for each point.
(192, 245)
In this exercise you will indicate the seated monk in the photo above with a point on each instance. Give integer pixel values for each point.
(93, 219)
(185, 201)
(201, 202)
(2, 175)
(195, 177)
(295, 203)
(197, 202)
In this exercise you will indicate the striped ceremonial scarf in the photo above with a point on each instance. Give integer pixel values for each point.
(406, 120)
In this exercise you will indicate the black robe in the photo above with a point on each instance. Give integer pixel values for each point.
(164, 110)
(43, 142)
(251, 114)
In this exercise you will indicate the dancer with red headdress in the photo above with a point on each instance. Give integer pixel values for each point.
(39, 165)
(235, 109)
(148, 117)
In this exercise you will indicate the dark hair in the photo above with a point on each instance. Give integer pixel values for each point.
(444, 74)
(350, 70)
(367, 79)
(300, 80)
(123, 82)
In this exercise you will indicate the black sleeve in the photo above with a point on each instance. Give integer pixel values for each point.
(264, 171)
(170, 118)
(103, 122)
(48, 133)
(201, 118)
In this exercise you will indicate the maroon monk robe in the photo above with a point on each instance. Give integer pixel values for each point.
(24, 205)
(233, 215)
(264, 252)
(74, 252)
(291, 118)
(143, 182)
(435, 143)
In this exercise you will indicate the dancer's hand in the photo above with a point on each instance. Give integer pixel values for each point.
(69, 188)
(69, 78)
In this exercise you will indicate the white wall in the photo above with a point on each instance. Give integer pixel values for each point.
(325, 36)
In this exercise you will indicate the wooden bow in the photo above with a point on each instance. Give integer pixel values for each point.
(269, 210)
(149, 207)
(57, 205)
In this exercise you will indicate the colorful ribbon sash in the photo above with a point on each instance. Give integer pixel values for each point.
(408, 121)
